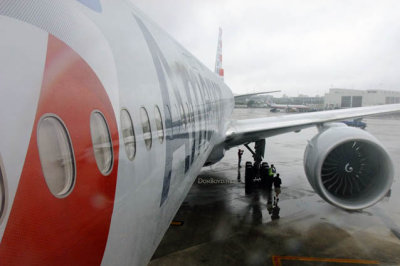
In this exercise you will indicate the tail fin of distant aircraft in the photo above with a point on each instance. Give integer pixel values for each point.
(269, 102)
(218, 60)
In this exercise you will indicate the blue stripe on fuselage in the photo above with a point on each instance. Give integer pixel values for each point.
(92, 4)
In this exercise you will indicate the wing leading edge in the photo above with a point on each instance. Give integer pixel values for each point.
(250, 130)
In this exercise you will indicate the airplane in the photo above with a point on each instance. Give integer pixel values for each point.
(106, 121)
(287, 107)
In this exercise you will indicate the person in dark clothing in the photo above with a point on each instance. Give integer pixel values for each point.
(240, 153)
(277, 185)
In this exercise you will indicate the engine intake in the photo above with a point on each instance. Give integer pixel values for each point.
(348, 167)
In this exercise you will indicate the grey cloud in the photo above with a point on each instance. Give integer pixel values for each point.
(296, 46)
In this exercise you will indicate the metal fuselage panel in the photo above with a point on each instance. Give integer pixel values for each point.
(136, 65)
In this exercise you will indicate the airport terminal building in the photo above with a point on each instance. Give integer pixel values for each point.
(346, 98)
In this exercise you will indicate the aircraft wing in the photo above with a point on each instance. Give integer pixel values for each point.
(251, 94)
(250, 130)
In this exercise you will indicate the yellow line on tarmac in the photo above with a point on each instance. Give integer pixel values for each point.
(177, 223)
(277, 260)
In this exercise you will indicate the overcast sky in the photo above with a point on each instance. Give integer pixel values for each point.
(295, 46)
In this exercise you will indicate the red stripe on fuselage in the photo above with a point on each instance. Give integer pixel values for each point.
(41, 228)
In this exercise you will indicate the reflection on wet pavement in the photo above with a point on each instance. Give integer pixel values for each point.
(224, 226)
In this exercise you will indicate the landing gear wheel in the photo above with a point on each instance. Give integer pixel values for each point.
(248, 177)
(264, 174)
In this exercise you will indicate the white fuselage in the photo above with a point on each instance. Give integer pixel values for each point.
(139, 65)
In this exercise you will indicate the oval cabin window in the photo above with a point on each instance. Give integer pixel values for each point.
(56, 155)
(128, 134)
(146, 128)
(101, 140)
(159, 124)
(2, 194)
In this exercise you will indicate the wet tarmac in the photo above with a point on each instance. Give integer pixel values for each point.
(219, 225)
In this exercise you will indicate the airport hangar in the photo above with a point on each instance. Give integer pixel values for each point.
(346, 98)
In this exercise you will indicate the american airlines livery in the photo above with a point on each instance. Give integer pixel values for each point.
(106, 122)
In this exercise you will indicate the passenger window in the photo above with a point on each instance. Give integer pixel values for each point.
(189, 113)
(200, 125)
(56, 156)
(159, 124)
(199, 116)
(178, 121)
(101, 141)
(183, 115)
(2, 194)
(170, 121)
(128, 134)
(192, 113)
(144, 117)
(215, 93)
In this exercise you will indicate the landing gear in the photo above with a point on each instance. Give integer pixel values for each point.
(248, 177)
(264, 174)
(256, 174)
(258, 153)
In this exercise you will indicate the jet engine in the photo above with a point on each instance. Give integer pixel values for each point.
(348, 167)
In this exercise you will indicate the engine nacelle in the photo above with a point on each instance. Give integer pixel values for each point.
(348, 167)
